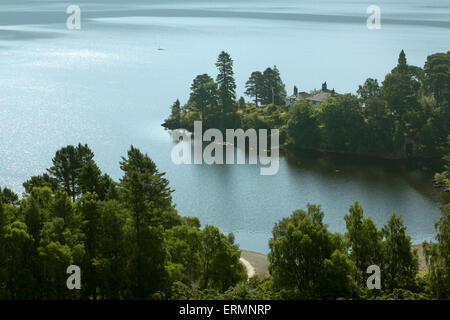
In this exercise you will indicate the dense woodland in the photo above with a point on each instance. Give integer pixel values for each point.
(410, 106)
(131, 243)
(126, 236)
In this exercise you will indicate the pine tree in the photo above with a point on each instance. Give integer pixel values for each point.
(204, 96)
(67, 164)
(226, 82)
(274, 90)
(254, 86)
(176, 113)
(402, 65)
(148, 196)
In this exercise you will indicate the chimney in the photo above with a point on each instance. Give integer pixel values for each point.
(295, 90)
(324, 86)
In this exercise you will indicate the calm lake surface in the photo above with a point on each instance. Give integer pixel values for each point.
(109, 85)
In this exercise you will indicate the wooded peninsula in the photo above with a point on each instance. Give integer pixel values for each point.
(406, 116)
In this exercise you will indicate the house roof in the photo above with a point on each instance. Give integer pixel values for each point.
(300, 95)
(316, 96)
(321, 96)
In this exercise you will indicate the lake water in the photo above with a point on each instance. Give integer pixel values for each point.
(108, 85)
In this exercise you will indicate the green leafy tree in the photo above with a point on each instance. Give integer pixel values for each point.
(380, 125)
(436, 83)
(63, 208)
(400, 263)
(36, 210)
(303, 125)
(304, 257)
(54, 259)
(20, 259)
(3, 219)
(401, 91)
(111, 259)
(438, 257)
(343, 123)
(337, 280)
(363, 241)
(437, 77)
(220, 260)
(3, 267)
(443, 179)
(88, 206)
(370, 89)
(184, 244)
(8, 196)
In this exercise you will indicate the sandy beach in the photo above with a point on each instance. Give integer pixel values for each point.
(257, 263)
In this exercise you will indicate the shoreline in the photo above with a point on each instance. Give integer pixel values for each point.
(257, 263)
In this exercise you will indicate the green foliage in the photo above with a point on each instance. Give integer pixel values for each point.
(184, 243)
(216, 250)
(342, 123)
(401, 92)
(437, 77)
(8, 196)
(90, 179)
(402, 294)
(303, 125)
(131, 243)
(254, 86)
(306, 259)
(35, 210)
(337, 280)
(402, 66)
(380, 125)
(136, 246)
(406, 116)
(363, 241)
(67, 164)
(54, 258)
(225, 81)
(273, 90)
(19, 263)
(43, 180)
(400, 263)
(370, 89)
(438, 257)
(443, 179)
(204, 96)
(127, 237)
(214, 103)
